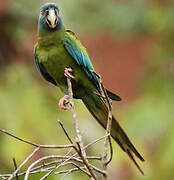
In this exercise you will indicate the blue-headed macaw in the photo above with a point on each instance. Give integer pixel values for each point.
(58, 53)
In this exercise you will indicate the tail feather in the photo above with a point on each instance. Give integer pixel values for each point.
(133, 159)
(98, 109)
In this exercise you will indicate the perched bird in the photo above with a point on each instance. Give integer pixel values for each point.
(58, 53)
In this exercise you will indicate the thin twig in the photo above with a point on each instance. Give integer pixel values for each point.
(66, 133)
(79, 142)
(15, 165)
(67, 158)
(80, 168)
(95, 141)
(76, 124)
(107, 141)
(66, 174)
(108, 129)
(49, 173)
(46, 176)
(37, 145)
(65, 171)
(23, 163)
(35, 170)
(111, 151)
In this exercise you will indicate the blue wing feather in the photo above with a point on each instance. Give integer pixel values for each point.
(77, 51)
(82, 59)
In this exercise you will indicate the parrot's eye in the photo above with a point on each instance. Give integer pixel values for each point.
(47, 12)
(56, 13)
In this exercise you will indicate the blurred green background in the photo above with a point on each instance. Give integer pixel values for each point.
(131, 44)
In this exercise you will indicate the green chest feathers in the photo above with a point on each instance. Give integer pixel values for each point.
(55, 60)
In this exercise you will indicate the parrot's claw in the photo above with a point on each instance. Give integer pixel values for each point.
(67, 73)
(63, 102)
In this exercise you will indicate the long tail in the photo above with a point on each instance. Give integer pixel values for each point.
(98, 109)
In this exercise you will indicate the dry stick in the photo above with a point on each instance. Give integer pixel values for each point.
(108, 127)
(82, 152)
(82, 169)
(39, 169)
(76, 124)
(70, 157)
(23, 163)
(66, 133)
(111, 151)
(15, 165)
(65, 161)
(5, 176)
(69, 172)
(86, 146)
(36, 145)
(35, 170)
(79, 168)
(72, 170)
(53, 146)
(46, 176)
(65, 171)
(58, 157)
(46, 158)
(36, 162)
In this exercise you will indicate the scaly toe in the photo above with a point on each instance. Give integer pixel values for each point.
(67, 73)
(63, 101)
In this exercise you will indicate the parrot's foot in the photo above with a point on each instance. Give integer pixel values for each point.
(67, 73)
(63, 102)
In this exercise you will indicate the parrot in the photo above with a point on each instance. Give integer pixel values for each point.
(60, 54)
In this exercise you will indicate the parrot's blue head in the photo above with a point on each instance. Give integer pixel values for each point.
(49, 18)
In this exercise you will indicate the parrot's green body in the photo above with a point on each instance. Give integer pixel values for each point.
(55, 58)
(57, 49)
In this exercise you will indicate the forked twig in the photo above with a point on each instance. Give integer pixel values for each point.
(23, 163)
(15, 165)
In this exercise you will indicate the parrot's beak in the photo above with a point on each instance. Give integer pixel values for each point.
(52, 19)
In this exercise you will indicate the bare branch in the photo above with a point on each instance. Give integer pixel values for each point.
(37, 145)
(66, 133)
(77, 166)
(107, 141)
(79, 141)
(23, 163)
(79, 159)
(65, 171)
(46, 176)
(15, 165)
